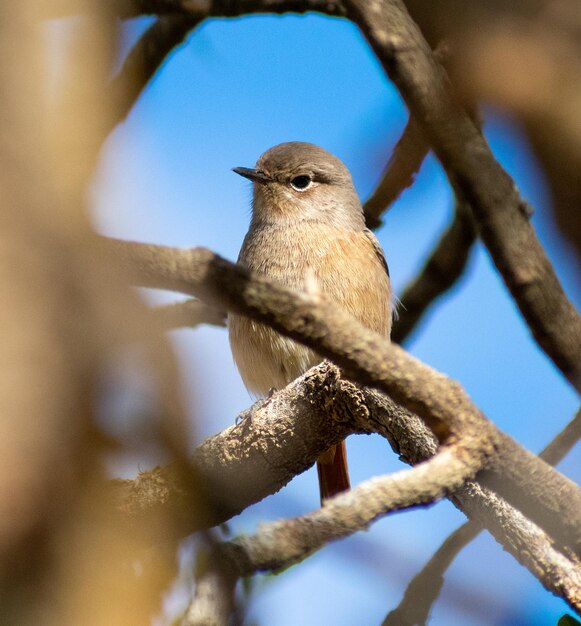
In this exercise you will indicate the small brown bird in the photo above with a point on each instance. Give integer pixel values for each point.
(307, 225)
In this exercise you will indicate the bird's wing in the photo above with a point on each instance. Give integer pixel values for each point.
(377, 248)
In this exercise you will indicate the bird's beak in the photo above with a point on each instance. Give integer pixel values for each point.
(256, 176)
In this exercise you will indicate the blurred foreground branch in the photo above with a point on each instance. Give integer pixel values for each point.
(188, 313)
(145, 59)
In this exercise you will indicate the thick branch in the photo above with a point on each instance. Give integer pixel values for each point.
(316, 322)
(529, 545)
(273, 441)
(321, 407)
(500, 212)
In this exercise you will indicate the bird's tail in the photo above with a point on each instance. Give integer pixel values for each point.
(333, 472)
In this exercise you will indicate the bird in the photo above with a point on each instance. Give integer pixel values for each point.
(307, 229)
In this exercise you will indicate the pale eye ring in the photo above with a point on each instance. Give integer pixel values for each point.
(301, 183)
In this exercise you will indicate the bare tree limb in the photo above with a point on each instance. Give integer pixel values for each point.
(560, 446)
(205, 8)
(425, 587)
(273, 441)
(500, 212)
(559, 573)
(371, 360)
(315, 321)
(443, 268)
(327, 394)
(213, 602)
(518, 484)
(406, 160)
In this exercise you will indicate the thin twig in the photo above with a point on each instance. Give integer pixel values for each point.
(560, 446)
(407, 158)
(279, 544)
(442, 270)
(144, 60)
(424, 588)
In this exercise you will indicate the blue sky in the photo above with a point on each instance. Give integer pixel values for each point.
(233, 90)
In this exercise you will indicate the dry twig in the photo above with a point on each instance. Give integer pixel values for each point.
(406, 160)
(442, 270)
(146, 57)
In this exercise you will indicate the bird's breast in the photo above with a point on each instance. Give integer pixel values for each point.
(341, 263)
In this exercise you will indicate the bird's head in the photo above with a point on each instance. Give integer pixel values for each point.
(300, 181)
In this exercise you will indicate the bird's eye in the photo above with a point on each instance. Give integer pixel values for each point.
(301, 183)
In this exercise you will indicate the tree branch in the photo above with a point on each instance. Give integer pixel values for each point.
(315, 321)
(146, 57)
(188, 313)
(425, 587)
(558, 572)
(125, 9)
(560, 446)
(406, 160)
(279, 544)
(327, 394)
(500, 212)
(273, 441)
